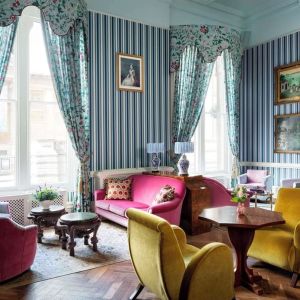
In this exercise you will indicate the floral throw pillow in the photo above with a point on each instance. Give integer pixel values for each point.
(166, 193)
(118, 189)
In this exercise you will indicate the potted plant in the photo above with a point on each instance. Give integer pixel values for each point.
(45, 195)
(239, 195)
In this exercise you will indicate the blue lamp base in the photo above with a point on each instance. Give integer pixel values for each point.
(183, 166)
(155, 161)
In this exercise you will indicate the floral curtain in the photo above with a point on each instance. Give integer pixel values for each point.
(191, 84)
(7, 36)
(68, 60)
(210, 41)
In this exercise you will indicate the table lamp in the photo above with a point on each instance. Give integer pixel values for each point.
(154, 149)
(182, 148)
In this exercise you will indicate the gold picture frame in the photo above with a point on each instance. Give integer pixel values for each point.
(287, 83)
(287, 133)
(130, 72)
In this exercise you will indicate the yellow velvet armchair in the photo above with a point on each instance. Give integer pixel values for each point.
(280, 245)
(172, 269)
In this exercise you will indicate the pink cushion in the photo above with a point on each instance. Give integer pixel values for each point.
(104, 204)
(254, 176)
(120, 207)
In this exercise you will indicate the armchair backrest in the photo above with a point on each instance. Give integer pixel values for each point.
(288, 203)
(254, 176)
(155, 253)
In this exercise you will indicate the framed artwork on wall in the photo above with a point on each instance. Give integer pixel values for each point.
(130, 72)
(287, 83)
(287, 133)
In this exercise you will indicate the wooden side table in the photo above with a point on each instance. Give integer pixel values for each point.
(196, 199)
(80, 225)
(46, 218)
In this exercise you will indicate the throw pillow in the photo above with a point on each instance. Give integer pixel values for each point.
(118, 189)
(165, 194)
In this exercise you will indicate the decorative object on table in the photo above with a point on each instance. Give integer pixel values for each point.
(130, 72)
(118, 188)
(79, 224)
(46, 218)
(287, 132)
(239, 195)
(45, 195)
(287, 83)
(166, 193)
(154, 149)
(183, 163)
(256, 179)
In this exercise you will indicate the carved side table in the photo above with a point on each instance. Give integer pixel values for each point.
(80, 225)
(46, 218)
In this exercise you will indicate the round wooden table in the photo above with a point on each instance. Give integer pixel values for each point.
(79, 224)
(46, 218)
(241, 231)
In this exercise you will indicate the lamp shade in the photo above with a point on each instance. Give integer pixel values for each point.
(155, 147)
(184, 147)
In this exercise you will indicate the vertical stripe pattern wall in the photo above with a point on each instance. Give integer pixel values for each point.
(258, 108)
(122, 122)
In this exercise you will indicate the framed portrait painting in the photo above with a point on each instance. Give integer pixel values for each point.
(287, 133)
(130, 72)
(287, 87)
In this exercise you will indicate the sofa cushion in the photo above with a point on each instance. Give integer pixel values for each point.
(118, 189)
(120, 207)
(254, 176)
(104, 204)
(166, 193)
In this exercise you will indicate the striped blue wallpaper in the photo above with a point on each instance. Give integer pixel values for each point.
(123, 122)
(257, 104)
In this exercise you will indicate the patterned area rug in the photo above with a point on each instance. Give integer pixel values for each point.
(51, 261)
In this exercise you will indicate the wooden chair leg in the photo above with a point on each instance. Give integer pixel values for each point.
(137, 291)
(294, 280)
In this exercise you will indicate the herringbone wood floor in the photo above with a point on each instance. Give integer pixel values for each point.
(117, 281)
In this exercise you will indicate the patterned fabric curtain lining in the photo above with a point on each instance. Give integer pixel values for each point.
(61, 14)
(210, 41)
(68, 38)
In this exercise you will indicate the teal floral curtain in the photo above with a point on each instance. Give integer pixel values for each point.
(68, 61)
(209, 41)
(192, 80)
(7, 36)
(232, 67)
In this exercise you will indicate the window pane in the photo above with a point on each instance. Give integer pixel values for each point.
(48, 135)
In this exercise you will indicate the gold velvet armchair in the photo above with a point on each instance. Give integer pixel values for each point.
(280, 245)
(171, 268)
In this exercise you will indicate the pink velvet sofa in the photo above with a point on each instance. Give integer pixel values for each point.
(17, 248)
(143, 191)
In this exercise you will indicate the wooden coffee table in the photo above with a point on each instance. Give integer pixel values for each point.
(80, 225)
(46, 218)
(241, 231)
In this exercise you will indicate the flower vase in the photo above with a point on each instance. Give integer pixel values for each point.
(240, 209)
(45, 204)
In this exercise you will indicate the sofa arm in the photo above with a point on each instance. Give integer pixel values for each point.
(4, 207)
(268, 181)
(165, 206)
(180, 235)
(297, 236)
(242, 179)
(99, 194)
(210, 265)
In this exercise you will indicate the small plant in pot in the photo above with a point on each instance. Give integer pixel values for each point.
(45, 195)
(239, 195)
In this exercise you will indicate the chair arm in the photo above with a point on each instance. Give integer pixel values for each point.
(180, 235)
(4, 207)
(165, 206)
(209, 274)
(242, 179)
(99, 194)
(297, 236)
(268, 180)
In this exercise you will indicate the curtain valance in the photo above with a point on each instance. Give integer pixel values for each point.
(61, 14)
(210, 40)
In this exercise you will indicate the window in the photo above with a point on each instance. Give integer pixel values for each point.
(212, 155)
(34, 143)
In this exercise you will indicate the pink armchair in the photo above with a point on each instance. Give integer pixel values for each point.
(17, 247)
(143, 191)
(254, 179)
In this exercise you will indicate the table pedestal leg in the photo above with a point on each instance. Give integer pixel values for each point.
(241, 239)
(94, 239)
(72, 242)
(86, 239)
